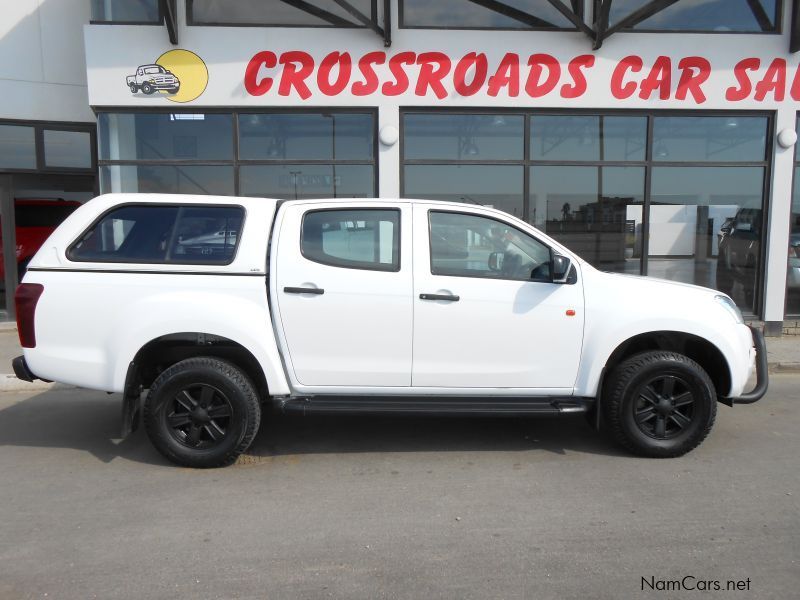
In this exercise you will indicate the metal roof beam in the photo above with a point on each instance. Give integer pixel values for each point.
(794, 40)
(513, 13)
(636, 17)
(318, 12)
(573, 16)
(761, 15)
(169, 12)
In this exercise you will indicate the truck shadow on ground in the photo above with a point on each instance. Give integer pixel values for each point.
(90, 422)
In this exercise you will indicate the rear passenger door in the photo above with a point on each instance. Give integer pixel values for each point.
(343, 286)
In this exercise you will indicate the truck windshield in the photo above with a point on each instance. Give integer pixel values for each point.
(154, 70)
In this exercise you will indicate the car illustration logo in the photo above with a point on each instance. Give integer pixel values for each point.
(177, 75)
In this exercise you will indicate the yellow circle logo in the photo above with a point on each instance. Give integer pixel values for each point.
(191, 72)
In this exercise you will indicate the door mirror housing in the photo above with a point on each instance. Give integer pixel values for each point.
(560, 269)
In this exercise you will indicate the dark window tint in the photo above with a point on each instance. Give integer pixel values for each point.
(463, 137)
(497, 186)
(17, 147)
(294, 181)
(588, 137)
(161, 234)
(309, 13)
(184, 179)
(510, 14)
(305, 136)
(206, 235)
(703, 15)
(165, 136)
(733, 138)
(357, 239)
(470, 246)
(125, 11)
(42, 215)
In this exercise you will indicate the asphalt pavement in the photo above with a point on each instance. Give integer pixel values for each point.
(397, 508)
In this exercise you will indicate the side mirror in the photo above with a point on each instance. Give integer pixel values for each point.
(496, 261)
(561, 267)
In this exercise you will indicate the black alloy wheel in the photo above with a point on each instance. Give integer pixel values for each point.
(664, 407)
(199, 416)
(202, 412)
(659, 404)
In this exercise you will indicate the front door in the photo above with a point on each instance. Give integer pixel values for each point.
(486, 314)
(344, 293)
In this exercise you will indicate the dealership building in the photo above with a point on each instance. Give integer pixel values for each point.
(651, 137)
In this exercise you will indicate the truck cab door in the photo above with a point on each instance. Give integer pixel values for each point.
(342, 283)
(486, 312)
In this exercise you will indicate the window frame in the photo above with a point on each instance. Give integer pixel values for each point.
(191, 22)
(402, 23)
(114, 22)
(394, 267)
(779, 20)
(38, 138)
(100, 218)
(431, 211)
(236, 161)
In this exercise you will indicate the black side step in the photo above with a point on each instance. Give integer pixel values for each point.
(497, 406)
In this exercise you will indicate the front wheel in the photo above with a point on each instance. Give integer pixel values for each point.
(202, 412)
(660, 404)
(147, 88)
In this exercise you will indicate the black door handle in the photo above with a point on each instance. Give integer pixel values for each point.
(448, 297)
(299, 290)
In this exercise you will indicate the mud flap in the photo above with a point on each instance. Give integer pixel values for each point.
(131, 402)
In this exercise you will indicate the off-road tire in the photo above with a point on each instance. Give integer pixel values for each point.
(627, 404)
(229, 387)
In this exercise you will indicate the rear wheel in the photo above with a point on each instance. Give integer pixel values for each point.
(202, 412)
(660, 404)
(133, 87)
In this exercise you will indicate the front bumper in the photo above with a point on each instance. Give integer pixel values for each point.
(762, 372)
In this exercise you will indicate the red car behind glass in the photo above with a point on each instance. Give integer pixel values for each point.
(35, 221)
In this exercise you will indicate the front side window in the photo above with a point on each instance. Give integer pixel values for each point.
(162, 234)
(355, 239)
(471, 246)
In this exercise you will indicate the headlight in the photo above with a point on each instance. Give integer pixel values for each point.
(731, 307)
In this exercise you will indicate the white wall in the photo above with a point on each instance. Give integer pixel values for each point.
(42, 61)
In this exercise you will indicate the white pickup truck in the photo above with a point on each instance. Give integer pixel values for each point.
(219, 305)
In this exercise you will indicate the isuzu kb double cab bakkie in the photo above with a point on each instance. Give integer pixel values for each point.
(219, 306)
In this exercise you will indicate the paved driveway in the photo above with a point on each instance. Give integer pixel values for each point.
(407, 508)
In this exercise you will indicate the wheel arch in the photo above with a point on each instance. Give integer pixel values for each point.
(699, 349)
(160, 353)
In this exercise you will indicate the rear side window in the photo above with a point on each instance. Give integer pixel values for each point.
(162, 234)
(354, 239)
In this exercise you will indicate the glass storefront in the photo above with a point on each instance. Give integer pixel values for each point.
(47, 169)
(276, 154)
(678, 197)
(793, 274)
